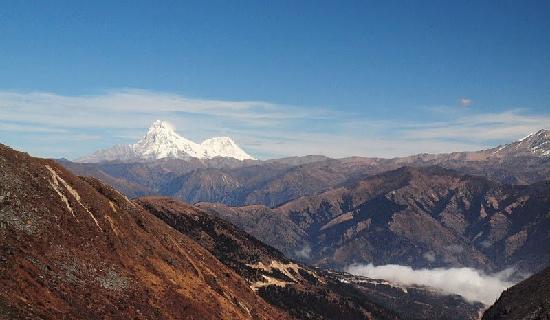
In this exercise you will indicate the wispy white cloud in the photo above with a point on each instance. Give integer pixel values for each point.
(121, 109)
(13, 127)
(506, 125)
(465, 102)
(473, 285)
(262, 128)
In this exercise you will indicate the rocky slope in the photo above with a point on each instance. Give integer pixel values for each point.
(421, 217)
(73, 248)
(304, 292)
(529, 299)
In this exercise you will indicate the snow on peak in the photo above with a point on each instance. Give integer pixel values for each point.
(160, 126)
(223, 147)
(162, 141)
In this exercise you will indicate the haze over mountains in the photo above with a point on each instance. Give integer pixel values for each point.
(273, 182)
(161, 141)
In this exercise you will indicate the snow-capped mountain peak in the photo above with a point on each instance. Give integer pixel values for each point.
(162, 141)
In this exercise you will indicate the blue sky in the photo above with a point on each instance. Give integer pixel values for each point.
(281, 77)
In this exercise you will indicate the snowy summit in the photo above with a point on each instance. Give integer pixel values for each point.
(162, 141)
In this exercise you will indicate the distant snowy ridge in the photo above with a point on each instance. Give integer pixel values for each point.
(162, 141)
(536, 143)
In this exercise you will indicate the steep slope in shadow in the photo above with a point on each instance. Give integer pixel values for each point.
(529, 299)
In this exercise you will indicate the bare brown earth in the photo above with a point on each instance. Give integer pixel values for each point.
(74, 248)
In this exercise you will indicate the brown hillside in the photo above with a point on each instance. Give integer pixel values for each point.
(74, 248)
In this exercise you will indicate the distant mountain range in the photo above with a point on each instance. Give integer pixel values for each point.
(277, 181)
(161, 141)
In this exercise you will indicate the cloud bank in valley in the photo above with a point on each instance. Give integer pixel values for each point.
(473, 285)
